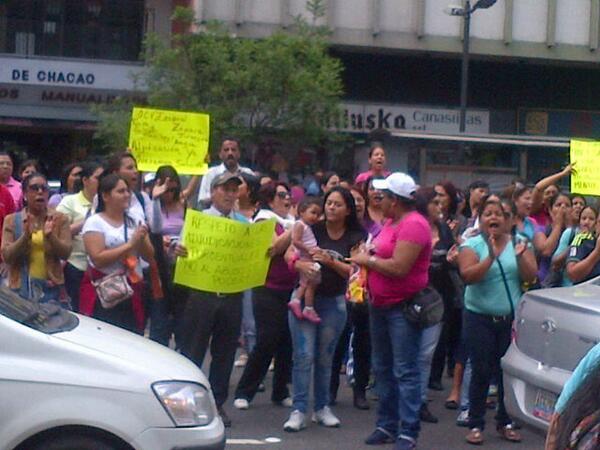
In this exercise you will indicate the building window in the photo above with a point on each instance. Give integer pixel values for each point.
(98, 29)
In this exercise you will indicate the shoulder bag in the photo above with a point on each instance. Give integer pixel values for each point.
(425, 308)
(114, 288)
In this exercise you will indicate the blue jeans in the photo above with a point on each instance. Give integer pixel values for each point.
(395, 352)
(314, 346)
(248, 322)
(429, 341)
(464, 390)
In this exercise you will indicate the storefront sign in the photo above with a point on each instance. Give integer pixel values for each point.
(68, 73)
(363, 118)
(585, 124)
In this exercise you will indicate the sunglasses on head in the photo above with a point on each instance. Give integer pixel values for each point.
(38, 187)
(283, 195)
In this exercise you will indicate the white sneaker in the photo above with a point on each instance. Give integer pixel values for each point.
(325, 417)
(241, 361)
(241, 403)
(288, 402)
(296, 422)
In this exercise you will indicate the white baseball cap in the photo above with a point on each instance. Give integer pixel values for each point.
(399, 183)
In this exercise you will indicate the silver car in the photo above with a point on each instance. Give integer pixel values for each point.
(554, 329)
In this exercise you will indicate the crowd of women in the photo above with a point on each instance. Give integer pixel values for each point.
(392, 239)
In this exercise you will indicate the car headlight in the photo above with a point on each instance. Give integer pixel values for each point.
(188, 404)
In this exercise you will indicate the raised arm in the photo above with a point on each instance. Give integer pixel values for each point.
(540, 187)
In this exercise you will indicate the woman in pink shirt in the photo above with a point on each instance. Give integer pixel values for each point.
(376, 165)
(398, 269)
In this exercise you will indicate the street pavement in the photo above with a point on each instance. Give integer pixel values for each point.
(263, 422)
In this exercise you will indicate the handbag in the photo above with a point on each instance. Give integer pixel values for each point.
(114, 288)
(424, 309)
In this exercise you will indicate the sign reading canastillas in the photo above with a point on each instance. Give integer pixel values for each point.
(365, 117)
(67, 73)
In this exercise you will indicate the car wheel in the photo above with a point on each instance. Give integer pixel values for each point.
(76, 442)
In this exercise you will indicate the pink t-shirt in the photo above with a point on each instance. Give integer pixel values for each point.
(387, 291)
(363, 177)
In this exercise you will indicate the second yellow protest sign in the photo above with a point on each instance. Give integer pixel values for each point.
(160, 137)
(586, 157)
(224, 255)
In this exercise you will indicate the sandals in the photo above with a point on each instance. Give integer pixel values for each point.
(509, 433)
(475, 437)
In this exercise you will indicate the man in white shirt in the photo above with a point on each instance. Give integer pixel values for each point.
(230, 156)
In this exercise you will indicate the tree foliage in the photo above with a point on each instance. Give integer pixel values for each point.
(283, 85)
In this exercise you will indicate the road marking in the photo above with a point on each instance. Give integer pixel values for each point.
(269, 440)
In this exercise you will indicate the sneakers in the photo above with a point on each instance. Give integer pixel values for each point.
(241, 361)
(405, 443)
(311, 315)
(296, 308)
(286, 402)
(296, 422)
(326, 418)
(241, 403)
(463, 418)
(380, 437)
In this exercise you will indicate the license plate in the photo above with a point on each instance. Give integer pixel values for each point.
(544, 405)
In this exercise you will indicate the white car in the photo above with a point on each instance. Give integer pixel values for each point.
(74, 383)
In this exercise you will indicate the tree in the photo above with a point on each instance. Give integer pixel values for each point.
(285, 85)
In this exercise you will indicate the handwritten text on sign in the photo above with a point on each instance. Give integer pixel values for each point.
(160, 137)
(223, 255)
(586, 156)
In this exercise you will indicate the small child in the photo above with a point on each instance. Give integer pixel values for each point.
(304, 240)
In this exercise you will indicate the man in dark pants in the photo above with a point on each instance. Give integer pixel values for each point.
(214, 317)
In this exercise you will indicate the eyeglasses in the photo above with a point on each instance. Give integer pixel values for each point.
(172, 190)
(283, 195)
(38, 187)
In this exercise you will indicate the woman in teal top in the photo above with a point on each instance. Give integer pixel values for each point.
(576, 422)
(493, 265)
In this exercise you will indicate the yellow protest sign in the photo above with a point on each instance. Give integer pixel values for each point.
(160, 137)
(586, 157)
(223, 255)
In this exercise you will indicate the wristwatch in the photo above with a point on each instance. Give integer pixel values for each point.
(372, 260)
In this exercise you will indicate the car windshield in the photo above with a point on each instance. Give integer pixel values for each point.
(48, 318)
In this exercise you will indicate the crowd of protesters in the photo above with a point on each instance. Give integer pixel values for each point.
(347, 260)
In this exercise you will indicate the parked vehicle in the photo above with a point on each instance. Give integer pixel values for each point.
(72, 382)
(554, 329)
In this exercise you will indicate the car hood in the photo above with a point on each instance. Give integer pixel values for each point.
(125, 350)
(585, 296)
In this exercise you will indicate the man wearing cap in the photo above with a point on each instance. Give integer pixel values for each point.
(230, 156)
(213, 317)
(397, 270)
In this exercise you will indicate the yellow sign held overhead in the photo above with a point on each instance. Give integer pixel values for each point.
(160, 137)
(224, 255)
(585, 179)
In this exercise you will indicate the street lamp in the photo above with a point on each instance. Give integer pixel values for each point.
(465, 12)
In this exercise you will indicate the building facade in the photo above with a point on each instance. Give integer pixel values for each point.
(59, 57)
(532, 73)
